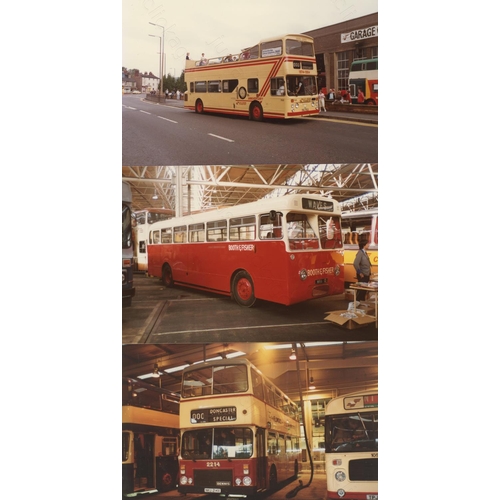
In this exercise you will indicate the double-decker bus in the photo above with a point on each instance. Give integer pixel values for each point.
(356, 227)
(141, 222)
(351, 446)
(128, 290)
(150, 438)
(364, 76)
(277, 78)
(285, 250)
(239, 432)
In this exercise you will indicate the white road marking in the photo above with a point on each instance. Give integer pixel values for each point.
(167, 119)
(223, 138)
(145, 112)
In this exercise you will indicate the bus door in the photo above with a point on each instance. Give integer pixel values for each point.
(261, 459)
(144, 460)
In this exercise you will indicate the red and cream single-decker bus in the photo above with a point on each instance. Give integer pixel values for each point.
(285, 250)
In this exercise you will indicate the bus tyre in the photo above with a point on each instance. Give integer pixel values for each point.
(198, 107)
(370, 102)
(242, 289)
(166, 482)
(166, 276)
(256, 112)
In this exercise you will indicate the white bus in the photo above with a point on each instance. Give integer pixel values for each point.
(277, 78)
(141, 221)
(351, 446)
(364, 76)
(128, 290)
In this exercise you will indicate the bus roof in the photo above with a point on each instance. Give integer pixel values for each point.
(283, 203)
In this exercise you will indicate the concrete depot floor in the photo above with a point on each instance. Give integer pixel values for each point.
(314, 491)
(183, 315)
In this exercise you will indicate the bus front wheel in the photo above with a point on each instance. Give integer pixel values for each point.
(198, 107)
(242, 289)
(256, 112)
(167, 277)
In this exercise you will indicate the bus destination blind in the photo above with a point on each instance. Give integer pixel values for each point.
(324, 206)
(222, 414)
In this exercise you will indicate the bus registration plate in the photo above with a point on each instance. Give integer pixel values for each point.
(212, 490)
(371, 497)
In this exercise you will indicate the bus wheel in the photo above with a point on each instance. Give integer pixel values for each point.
(166, 480)
(198, 107)
(256, 112)
(242, 289)
(166, 276)
(370, 102)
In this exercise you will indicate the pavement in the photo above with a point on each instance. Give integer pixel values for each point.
(330, 115)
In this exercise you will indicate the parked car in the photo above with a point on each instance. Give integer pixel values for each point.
(136, 92)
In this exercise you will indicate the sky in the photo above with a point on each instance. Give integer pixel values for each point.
(227, 27)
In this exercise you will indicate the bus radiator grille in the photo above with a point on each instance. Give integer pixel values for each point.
(213, 478)
(365, 469)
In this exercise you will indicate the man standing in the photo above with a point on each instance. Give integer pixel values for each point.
(361, 96)
(362, 265)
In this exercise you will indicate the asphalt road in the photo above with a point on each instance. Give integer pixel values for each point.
(155, 134)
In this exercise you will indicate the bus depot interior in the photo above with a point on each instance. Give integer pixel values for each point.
(166, 307)
(307, 375)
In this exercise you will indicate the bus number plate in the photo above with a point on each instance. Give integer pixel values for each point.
(212, 490)
(321, 281)
(371, 497)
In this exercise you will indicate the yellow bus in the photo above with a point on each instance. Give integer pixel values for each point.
(358, 226)
(274, 79)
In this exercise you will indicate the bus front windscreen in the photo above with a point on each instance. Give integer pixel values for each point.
(205, 381)
(226, 442)
(351, 433)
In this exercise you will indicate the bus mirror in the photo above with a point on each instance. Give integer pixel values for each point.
(272, 215)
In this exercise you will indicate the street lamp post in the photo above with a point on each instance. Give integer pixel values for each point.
(158, 36)
(162, 52)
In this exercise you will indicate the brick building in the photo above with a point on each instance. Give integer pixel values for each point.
(339, 44)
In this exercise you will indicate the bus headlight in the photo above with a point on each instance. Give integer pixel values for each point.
(237, 481)
(336, 271)
(303, 274)
(183, 480)
(247, 480)
(340, 476)
(340, 493)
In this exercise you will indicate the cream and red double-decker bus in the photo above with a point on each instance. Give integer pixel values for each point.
(274, 79)
(239, 432)
(351, 446)
(150, 438)
(285, 250)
